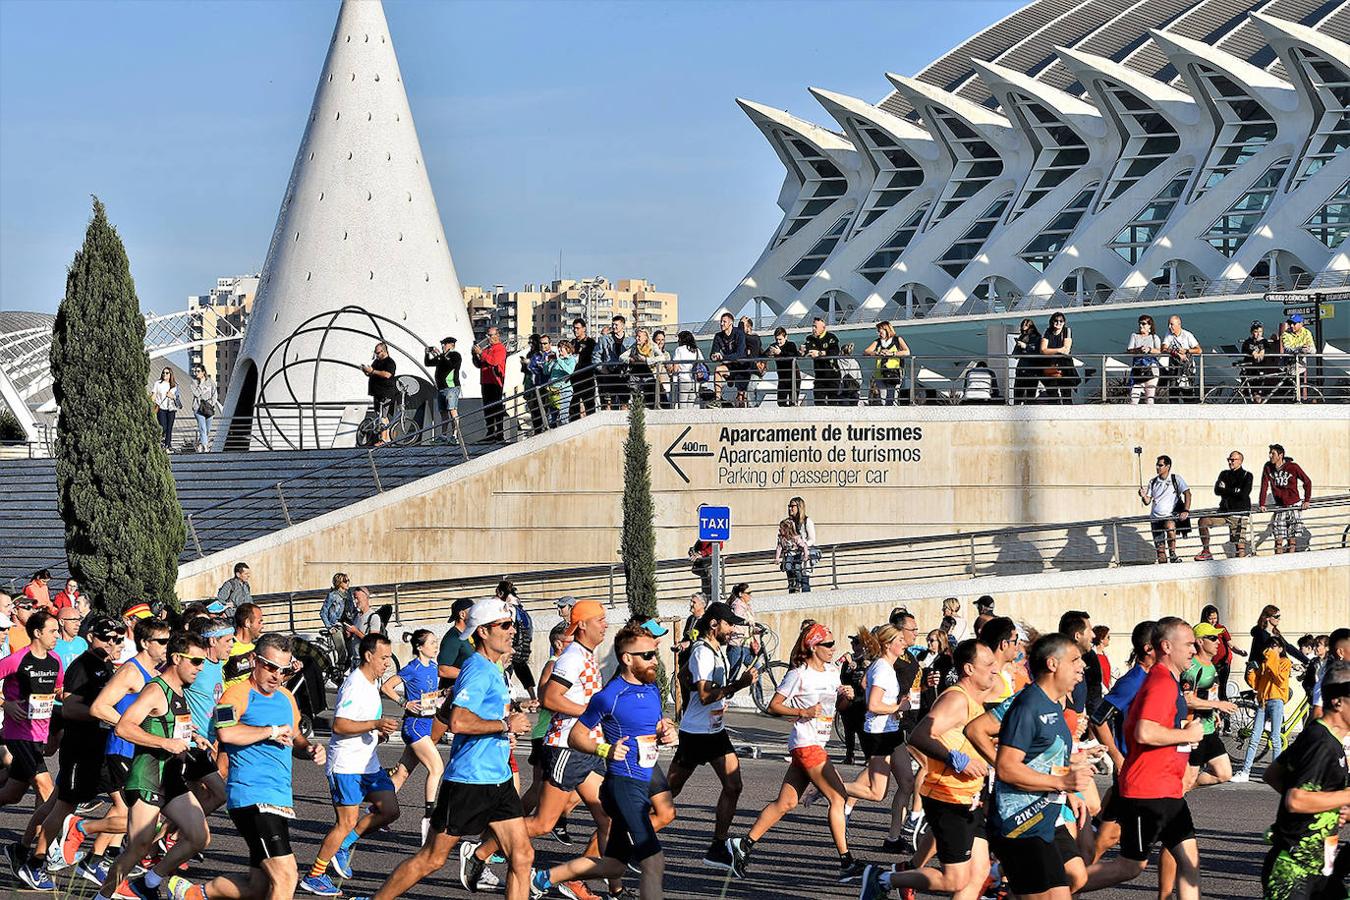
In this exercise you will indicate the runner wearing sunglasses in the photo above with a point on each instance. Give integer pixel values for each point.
(810, 694)
(159, 724)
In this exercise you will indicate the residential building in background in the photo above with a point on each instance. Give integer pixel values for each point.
(550, 308)
(231, 302)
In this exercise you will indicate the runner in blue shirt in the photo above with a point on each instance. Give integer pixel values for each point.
(418, 681)
(203, 696)
(628, 712)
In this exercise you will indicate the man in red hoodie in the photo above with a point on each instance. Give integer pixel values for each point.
(491, 363)
(1281, 477)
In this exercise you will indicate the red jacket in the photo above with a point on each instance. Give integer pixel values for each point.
(491, 363)
(1283, 483)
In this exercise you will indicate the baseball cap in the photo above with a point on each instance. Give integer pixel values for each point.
(485, 612)
(985, 602)
(723, 612)
(654, 628)
(105, 628)
(1204, 629)
(137, 611)
(448, 340)
(1296, 318)
(215, 608)
(459, 606)
(581, 611)
(1257, 323)
(569, 600)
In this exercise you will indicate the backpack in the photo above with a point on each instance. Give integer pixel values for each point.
(1183, 525)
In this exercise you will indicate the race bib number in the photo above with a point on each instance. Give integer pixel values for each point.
(285, 812)
(1331, 845)
(182, 729)
(715, 717)
(1061, 797)
(824, 727)
(914, 700)
(647, 750)
(40, 706)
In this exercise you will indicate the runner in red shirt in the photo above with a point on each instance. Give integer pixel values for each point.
(1152, 806)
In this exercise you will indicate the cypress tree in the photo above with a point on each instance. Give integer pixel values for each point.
(124, 527)
(637, 547)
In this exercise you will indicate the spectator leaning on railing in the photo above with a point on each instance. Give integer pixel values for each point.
(491, 363)
(1282, 476)
(823, 347)
(728, 353)
(1233, 487)
(1258, 371)
(1181, 347)
(1295, 341)
(610, 351)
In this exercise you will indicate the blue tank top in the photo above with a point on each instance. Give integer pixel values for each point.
(418, 678)
(117, 746)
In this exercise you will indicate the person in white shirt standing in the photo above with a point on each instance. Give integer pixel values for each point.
(703, 735)
(1181, 348)
(1168, 497)
(354, 772)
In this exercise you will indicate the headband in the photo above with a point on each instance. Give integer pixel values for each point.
(816, 634)
(223, 631)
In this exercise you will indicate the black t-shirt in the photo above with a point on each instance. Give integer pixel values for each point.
(382, 388)
(828, 344)
(787, 355)
(1251, 345)
(585, 349)
(447, 368)
(907, 669)
(88, 674)
(1314, 762)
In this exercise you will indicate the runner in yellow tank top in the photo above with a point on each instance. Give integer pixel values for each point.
(951, 791)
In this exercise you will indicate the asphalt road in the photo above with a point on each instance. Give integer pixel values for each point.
(796, 859)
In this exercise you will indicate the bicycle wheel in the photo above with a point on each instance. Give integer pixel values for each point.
(403, 430)
(767, 683)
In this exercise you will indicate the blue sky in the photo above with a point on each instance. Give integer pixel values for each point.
(605, 130)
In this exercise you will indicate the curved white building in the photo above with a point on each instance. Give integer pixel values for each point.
(1076, 152)
(358, 254)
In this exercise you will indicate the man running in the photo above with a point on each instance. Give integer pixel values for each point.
(258, 727)
(703, 734)
(1311, 777)
(354, 772)
(1034, 774)
(1108, 724)
(248, 625)
(201, 768)
(32, 678)
(1209, 762)
(159, 725)
(477, 792)
(628, 711)
(1153, 806)
(575, 679)
(80, 759)
(952, 788)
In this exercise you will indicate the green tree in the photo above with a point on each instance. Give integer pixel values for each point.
(124, 527)
(637, 547)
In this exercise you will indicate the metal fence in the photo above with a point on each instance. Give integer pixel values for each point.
(1024, 550)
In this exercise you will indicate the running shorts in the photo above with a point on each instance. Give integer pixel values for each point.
(880, 744)
(628, 803)
(955, 827)
(536, 757)
(1285, 878)
(566, 769)
(809, 757)
(416, 727)
(81, 777)
(1144, 823)
(1031, 865)
(700, 749)
(350, 790)
(466, 810)
(1210, 747)
(115, 772)
(198, 764)
(658, 783)
(28, 762)
(267, 834)
(158, 789)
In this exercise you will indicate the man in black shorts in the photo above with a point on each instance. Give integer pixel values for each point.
(703, 736)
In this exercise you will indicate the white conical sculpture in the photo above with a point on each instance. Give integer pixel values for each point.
(358, 254)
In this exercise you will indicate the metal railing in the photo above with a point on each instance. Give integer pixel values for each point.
(1021, 550)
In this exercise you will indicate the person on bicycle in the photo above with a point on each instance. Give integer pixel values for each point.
(380, 386)
(703, 735)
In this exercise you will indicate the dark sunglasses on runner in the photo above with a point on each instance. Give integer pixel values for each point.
(646, 654)
(275, 667)
(163, 642)
(193, 660)
(826, 644)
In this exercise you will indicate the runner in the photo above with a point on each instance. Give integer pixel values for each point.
(703, 733)
(201, 769)
(1033, 774)
(80, 759)
(258, 727)
(248, 625)
(32, 678)
(354, 772)
(1152, 806)
(809, 694)
(952, 789)
(628, 711)
(418, 679)
(882, 738)
(1311, 776)
(477, 792)
(575, 679)
(907, 818)
(1209, 762)
(159, 724)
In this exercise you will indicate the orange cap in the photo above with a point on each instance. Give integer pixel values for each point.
(583, 610)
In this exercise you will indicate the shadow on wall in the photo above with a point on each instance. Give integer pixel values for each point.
(1134, 549)
(1080, 551)
(1015, 557)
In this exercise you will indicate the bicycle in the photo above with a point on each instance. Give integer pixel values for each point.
(391, 418)
(771, 671)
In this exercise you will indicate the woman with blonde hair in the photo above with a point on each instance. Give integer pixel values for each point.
(890, 350)
(883, 742)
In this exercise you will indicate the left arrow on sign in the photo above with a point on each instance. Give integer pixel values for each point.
(670, 454)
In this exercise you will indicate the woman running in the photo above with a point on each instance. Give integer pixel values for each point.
(882, 739)
(420, 700)
(810, 693)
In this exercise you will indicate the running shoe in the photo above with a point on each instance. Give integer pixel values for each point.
(15, 856)
(88, 809)
(900, 845)
(1203, 555)
(561, 834)
(489, 880)
(576, 890)
(719, 856)
(811, 796)
(623, 893)
(740, 856)
(1241, 777)
(851, 870)
(71, 839)
(470, 866)
(36, 877)
(182, 889)
(136, 888)
(871, 888)
(342, 863)
(537, 889)
(94, 873)
(320, 885)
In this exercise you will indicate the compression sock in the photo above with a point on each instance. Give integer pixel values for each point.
(350, 840)
(320, 866)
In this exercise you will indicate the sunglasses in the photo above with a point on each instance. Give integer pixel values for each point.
(163, 642)
(269, 665)
(115, 639)
(504, 626)
(829, 644)
(193, 660)
(648, 655)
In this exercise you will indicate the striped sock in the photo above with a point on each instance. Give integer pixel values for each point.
(320, 866)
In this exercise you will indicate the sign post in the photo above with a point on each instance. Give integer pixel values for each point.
(714, 526)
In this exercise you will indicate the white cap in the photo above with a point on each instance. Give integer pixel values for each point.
(485, 612)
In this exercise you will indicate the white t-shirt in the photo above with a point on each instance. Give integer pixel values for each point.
(959, 628)
(881, 674)
(803, 688)
(1146, 344)
(1183, 341)
(1163, 496)
(578, 669)
(705, 664)
(354, 754)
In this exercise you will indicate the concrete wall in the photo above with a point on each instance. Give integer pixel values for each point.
(555, 501)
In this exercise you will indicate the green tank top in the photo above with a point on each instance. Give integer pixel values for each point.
(1202, 677)
(147, 765)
